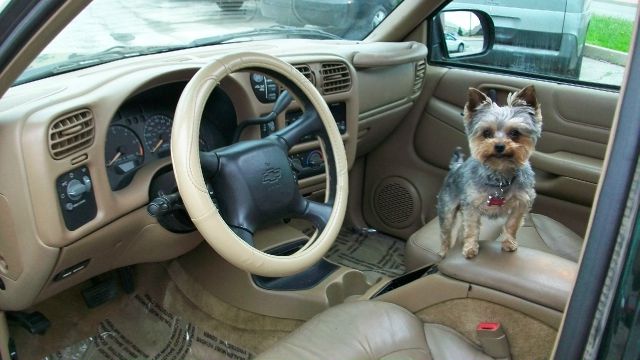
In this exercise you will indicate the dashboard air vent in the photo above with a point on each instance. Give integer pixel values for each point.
(335, 78)
(421, 69)
(306, 71)
(71, 133)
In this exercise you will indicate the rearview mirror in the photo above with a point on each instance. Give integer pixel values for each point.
(464, 33)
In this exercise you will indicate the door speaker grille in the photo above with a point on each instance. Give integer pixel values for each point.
(396, 202)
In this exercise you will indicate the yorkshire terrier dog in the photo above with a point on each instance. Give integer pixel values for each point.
(497, 180)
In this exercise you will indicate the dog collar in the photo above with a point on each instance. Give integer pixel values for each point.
(499, 182)
(497, 198)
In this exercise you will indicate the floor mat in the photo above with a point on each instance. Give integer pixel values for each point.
(142, 329)
(169, 317)
(372, 253)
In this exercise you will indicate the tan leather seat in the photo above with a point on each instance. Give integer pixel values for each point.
(372, 330)
(538, 232)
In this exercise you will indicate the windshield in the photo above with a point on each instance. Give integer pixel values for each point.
(108, 30)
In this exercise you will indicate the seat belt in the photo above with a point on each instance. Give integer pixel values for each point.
(493, 340)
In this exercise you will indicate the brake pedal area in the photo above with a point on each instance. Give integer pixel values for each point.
(107, 287)
(34, 322)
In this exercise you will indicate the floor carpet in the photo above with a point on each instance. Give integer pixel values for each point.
(158, 321)
(169, 318)
(144, 329)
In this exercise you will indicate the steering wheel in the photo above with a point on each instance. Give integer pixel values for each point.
(253, 181)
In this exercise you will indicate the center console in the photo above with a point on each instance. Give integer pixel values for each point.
(300, 296)
(529, 281)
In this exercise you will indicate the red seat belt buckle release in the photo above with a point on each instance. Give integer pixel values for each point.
(493, 340)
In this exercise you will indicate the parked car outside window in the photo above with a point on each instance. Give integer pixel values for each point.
(545, 37)
(351, 19)
(454, 44)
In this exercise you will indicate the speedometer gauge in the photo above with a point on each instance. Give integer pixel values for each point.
(123, 149)
(157, 134)
(123, 155)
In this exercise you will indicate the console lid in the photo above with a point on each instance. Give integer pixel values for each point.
(533, 275)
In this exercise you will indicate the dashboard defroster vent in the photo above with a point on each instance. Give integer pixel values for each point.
(306, 71)
(421, 69)
(335, 78)
(71, 133)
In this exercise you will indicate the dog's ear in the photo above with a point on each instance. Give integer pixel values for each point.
(526, 97)
(475, 99)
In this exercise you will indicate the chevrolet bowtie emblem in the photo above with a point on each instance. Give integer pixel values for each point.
(271, 175)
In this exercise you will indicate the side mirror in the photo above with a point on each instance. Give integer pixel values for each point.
(461, 33)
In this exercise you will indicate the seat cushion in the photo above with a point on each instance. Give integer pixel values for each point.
(372, 330)
(538, 232)
(528, 274)
(358, 330)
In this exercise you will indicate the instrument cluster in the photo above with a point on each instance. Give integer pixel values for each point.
(140, 132)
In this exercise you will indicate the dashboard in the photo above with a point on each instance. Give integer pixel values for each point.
(91, 150)
(140, 131)
(139, 134)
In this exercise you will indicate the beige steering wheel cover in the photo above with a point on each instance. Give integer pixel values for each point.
(186, 167)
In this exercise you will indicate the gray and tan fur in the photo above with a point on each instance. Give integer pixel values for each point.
(501, 140)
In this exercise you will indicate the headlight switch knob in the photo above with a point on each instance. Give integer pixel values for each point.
(77, 188)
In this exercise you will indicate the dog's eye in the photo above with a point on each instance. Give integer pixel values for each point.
(487, 134)
(514, 134)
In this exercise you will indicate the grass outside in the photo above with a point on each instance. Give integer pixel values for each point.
(610, 33)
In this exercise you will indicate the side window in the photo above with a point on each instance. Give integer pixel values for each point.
(575, 40)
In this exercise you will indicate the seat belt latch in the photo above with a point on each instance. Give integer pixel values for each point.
(493, 340)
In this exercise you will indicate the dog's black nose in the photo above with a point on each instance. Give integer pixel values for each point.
(499, 148)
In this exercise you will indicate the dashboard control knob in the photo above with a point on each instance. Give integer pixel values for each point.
(77, 188)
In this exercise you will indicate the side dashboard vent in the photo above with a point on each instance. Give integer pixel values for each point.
(306, 71)
(71, 133)
(335, 78)
(421, 69)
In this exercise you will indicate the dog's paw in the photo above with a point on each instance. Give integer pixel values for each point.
(470, 250)
(443, 251)
(509, 245)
